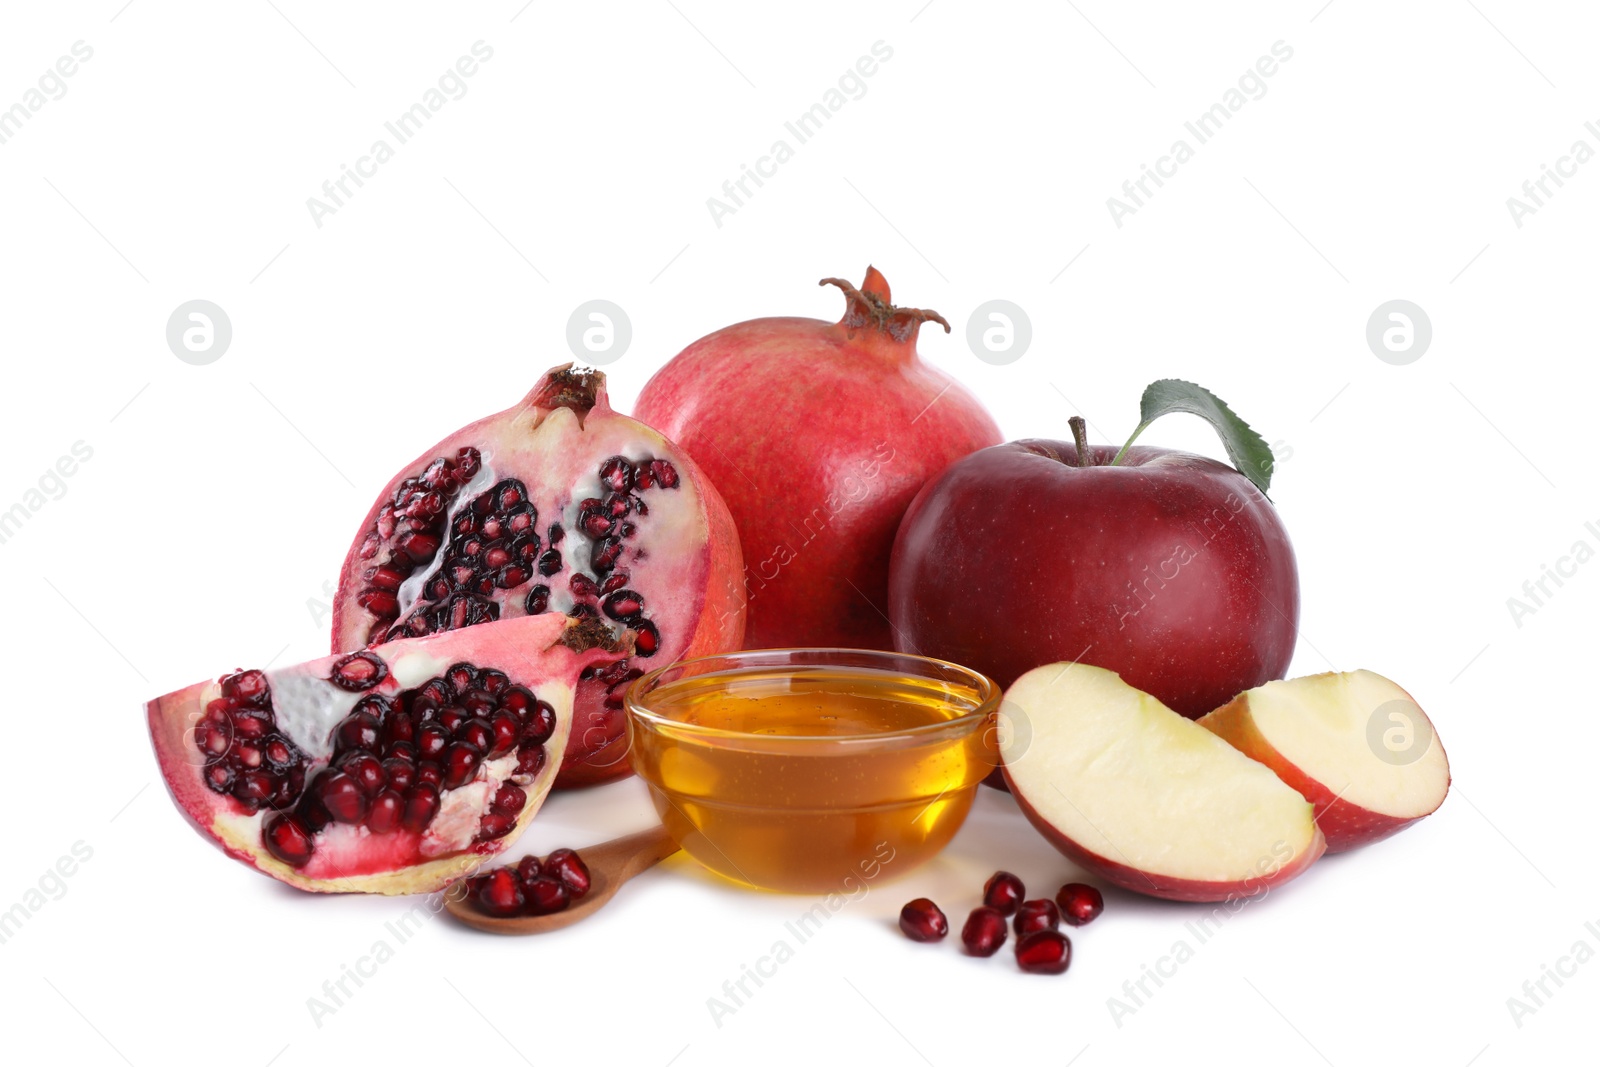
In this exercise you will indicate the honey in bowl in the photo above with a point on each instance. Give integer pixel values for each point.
(812, 770)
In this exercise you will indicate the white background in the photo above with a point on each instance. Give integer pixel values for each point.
(220, 499)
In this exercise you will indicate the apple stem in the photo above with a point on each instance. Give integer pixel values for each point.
(1080, 437)
(1137, 431)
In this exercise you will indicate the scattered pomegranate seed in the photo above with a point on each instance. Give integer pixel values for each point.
(547, 895)
(1044, 952)
(566, 865)
(1003, 892)
(922, 920)
(1079, 903)
(498, 893)
(1036, 915)
(984, 932)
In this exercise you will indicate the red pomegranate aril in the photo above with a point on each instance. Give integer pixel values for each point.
(528, 868)
(248, 754)
(451, 719)
(646, 638)
(341, 797)
(583, 585)
(430, 773)
(358, 731)
(921, 920)
(387, 809)
(477, 733)
(1079, 903)
(984, 932)
(253, 788)
(538, 601)
(432, 740)
(568, 866)
(1003, 892)
(366, 771)
(618, 580)
(245, 686)
(1044, 952)
(461, 762)
(397, 726)
(505, 731)
(495, 825)
(547, 895)
(287, 839)
(499, 894)
(359, 671)
(461, 677)
(541, 724)
(399, 773)
(509, 799)
(624, 604)
(422, 804)
(220, 776)
(530, 760)
(1035, 915)
(249, 723)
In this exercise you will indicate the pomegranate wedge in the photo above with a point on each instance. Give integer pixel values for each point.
(395, 770)
(557, 505)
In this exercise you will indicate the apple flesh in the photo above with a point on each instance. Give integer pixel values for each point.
(1128, 788)
(1169, 568)
(1354, 744)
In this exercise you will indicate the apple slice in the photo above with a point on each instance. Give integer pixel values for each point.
(1128, 788)
(1354, 744)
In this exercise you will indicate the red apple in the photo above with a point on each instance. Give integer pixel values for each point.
(1171, 569)
(1354, 744)
(1144, 797)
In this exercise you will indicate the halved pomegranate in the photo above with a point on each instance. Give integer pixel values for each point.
(559, 505)
(395, 770)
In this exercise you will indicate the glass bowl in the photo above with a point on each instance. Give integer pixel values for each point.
(812, 770)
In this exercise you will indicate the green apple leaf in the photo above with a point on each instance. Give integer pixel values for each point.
(1249, 452)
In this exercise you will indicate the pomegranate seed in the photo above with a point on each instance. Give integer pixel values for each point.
(665, 473)
(254, 788)
(432, 740)
(428, 773)
(923, 921)
(541, 724)
(495, 825)
(386, 810)
(550, 562)
(467, 463)
(220, 776)
(1003, 892)
(1079, 903)
(422, 804)
(617, 581)
(623, 604)
(1035, 915)
(616, 474)
(387, 579)
(365, 770)
(400, 773)
(499, 894)
(419, 546)
(452, 719)
(461, 762)
(646, 638)
(555, 533)
(461, 677)
(252, 723)
(509, 800)
(528, 869)
(1044, 952)
(546, 895)
(341, 797)
(359, 671)
(530, 760)
(505, 731)
(397, 726)
(287, 839)
(245, 686)
(984, 932)
(477, 733)
(358, 732)
(568, 866)
(247, 754)
(538, 601)
(583, 585)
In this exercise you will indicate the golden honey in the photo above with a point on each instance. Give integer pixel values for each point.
(813, 778)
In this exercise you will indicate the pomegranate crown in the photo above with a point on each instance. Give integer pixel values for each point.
(870, 306)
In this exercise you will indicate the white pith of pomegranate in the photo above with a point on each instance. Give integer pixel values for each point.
(818, 434)
(395, 770)
(558, 505)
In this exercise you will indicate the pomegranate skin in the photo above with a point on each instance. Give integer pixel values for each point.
(817, 435)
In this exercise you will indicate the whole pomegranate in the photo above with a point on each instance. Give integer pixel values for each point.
(818, 435)
(558, 504)
(389, 770)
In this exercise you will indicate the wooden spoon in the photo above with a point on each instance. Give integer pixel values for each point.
(609, 865)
